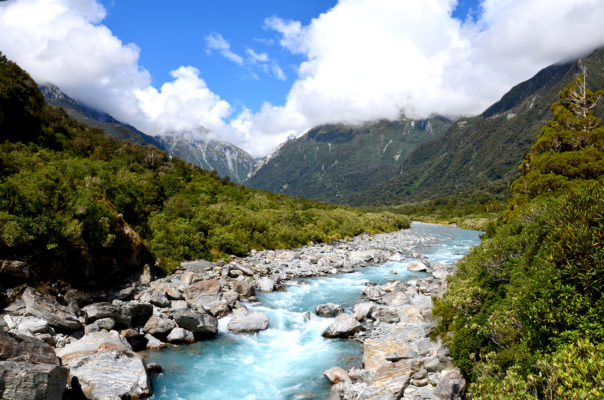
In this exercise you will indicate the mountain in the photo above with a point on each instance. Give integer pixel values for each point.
(394, 162)
(482, 153)
(94, 118)
(227, 159)
(332, 162)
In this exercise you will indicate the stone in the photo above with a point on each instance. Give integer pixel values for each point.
(219, 310)
(344, 326)
(231, 297)
(202, 288)
(176, 305)
(96, 311)
(174, 293)
(154, 368)
(417, 266)
(433, 364)
(159, 326)
(451, 386)
(200, 323)
(239, 267)
(29, 369)
(389, 382)
(154, 343)
(155, 299)
(244, 321)
(46, 307)
(337, 374)
(401, 355)
(361, 311)
(106, 367)
(375, 352)
(266, 284)
(105, 323)
(139, 312)
(386, 314)
(180, 335)
(32, 325)
(244, 288)
(189, 277)
(25, 381)
(329, 310)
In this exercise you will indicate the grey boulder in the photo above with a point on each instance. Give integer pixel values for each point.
(245, 321)
(329, 310)
(200, 323)
(107, 310)
(345, 325)
(46, 307)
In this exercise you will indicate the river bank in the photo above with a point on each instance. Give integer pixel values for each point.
(96, 335)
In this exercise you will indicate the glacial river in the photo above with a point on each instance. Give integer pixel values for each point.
(287, 360)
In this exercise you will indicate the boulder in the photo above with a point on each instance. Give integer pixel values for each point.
(106, 367)
(13, 269)
(388, 315)
(244, 288)
(266, 284)
(361, 311)
(139, 312)
(451, 386)
(245, 321)
(239, 267)
(154, 343)
(329, 310)
(337, 374)
(159, 326)
(156, 299)
(344, 326)
(388, 382)
(96, 311)
(219, 310)
(180, 335)
(200, 323)
(417, 266)
(206, 287)
(29, 369)
(105, 323)
(375, 352)
(78, 297)
(46, 307)
(32, 325)
(176, 305)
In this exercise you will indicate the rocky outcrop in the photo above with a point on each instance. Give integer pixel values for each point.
(29, 369)
(104, 366)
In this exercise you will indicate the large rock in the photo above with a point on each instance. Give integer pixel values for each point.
(244, 321)
(207, 287)
(180, 335)
(376, 352)
(200, 323)
(159, 326)
(14, 270)
(106, 367)
(337, 374)
(46, 307)
(361, 311)
(29, 369)
(389, 382)
(107, 310)
(139, 312)
(329, 310)
(244, 288)
(450, 387)
(417, 266)
(344, 325)
(266, 284)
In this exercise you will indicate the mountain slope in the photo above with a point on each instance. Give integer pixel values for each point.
(483, 152)
(227, 159)
(331, 162)
(94, 118)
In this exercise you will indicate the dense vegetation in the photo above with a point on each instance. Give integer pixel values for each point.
(524, 314)
(332, 162)
(71, 197)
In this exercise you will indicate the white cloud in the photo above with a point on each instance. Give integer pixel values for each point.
(215, 41)
(256, 57)
(362, 60)
(367, 59)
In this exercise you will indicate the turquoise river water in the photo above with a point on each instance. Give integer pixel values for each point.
(287, 360)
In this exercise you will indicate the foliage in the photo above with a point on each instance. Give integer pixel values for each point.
(524, 314)
(61, 203)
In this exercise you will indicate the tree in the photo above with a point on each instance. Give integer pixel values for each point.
(570, 146)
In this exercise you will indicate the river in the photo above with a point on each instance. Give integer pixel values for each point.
(287, 360)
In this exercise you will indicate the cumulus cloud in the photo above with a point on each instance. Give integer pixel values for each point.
(361, 60)
(367, 60)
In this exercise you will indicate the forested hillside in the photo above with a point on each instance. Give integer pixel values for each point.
(78, 205)
(524, 314)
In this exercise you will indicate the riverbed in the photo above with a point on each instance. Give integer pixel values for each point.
(287, 360)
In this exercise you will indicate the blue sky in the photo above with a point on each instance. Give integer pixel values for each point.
(172, 34)
(254, 73)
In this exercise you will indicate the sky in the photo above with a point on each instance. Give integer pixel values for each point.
(254, 73)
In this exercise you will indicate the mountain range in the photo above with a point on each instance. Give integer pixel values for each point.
(210, 154)
(404, 161)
